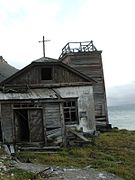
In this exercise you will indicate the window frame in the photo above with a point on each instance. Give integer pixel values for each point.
(71, 110)
(41, 73)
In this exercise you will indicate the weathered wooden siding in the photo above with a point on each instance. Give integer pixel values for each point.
(62, 75)
(53, 121)
(32, 75)
(90, 64)
(36, 125)
(52, 115)
(7, 122)
(44, 123)
(84, 95)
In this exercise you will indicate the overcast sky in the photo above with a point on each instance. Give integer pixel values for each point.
(109, 23)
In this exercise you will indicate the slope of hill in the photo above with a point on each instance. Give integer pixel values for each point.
(6, 70)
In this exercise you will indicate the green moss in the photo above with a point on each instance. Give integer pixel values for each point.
(21, 174)
(17, 174)
(113, 152)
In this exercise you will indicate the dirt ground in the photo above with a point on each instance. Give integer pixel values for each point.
(57, 173)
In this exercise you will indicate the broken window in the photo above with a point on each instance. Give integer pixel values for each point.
(46, 73)
(70, 112)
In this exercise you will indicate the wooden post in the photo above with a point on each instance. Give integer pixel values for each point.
(2, 130)
(13, 124)
(44, 125)
(63, 129)
(43, 46)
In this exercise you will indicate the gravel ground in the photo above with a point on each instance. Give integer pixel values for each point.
(50, 173)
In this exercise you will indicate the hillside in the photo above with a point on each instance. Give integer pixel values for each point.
(6, 70)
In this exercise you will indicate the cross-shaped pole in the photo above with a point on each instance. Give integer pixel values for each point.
(44, 41)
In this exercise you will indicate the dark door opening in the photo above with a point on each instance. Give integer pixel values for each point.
(21, 125)
(0, 132)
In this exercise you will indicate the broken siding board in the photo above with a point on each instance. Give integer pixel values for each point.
(54, 136)
(78, 135)
(53, 133)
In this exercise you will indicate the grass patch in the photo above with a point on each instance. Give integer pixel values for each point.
(113, 152)
(20, 174)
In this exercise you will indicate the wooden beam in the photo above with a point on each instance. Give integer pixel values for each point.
(63, 124)
(44, 126)
(78, 135)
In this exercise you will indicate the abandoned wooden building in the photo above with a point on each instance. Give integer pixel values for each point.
(44, 99)
(85, 58)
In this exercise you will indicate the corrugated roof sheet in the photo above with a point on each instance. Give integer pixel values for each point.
(44, 93)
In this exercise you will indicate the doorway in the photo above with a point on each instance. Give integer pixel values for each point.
(21, 125)
(0, 133)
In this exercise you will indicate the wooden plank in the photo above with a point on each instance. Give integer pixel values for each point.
(54, 134)
(44, 126)
(78, 135)
(34, 108)
(52, 115)
(6, 113)
(36, 125)
(39, 148)
(63, 124)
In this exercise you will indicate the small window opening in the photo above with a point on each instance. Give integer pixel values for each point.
(46, 73)
(70, 112)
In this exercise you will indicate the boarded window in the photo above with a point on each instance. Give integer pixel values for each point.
(70, 112)
(46, 73)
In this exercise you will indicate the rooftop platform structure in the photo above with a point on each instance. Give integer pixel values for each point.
(84, 57)
(73, 47)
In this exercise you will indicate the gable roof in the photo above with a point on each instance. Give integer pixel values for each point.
(48, 61)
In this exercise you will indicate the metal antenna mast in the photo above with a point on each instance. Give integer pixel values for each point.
(43, 41)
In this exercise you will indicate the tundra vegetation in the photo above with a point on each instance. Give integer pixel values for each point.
(113, 152)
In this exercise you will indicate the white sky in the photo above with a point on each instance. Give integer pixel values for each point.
(109, 23)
